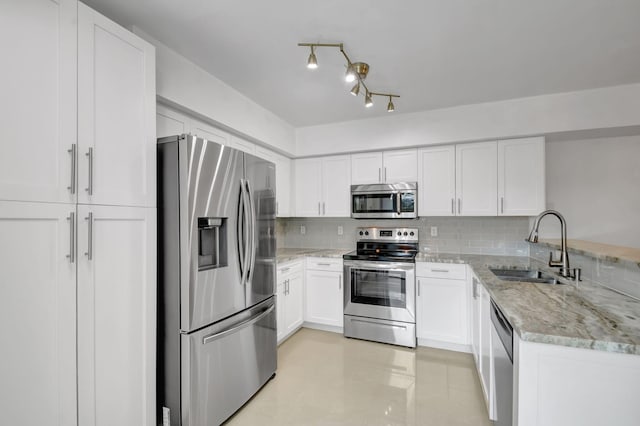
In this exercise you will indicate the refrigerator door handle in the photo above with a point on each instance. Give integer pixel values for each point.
(242, 211)
(212, 337)
(251, 255)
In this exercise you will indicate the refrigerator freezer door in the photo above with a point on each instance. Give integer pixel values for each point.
(225, 364)
(210, 190)
(261, 184)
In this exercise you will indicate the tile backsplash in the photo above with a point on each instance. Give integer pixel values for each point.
(469, 235)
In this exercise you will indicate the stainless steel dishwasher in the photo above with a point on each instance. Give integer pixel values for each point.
(502, 345)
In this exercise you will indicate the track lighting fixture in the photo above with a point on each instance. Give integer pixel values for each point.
(312, 63)
(368, 102)
(356, 71)
(356, 89)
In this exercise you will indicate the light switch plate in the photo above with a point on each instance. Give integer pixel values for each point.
(434, 231)
(303, 229)
(340, 230)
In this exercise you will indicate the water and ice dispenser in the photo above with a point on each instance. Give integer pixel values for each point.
(212, 242)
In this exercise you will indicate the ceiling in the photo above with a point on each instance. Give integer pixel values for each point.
(434, 54)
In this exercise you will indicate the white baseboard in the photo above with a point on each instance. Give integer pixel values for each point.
(323, 327)
(457, 347)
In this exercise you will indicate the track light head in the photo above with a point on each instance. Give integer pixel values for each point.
(356, 89)
(350, 76)
(312, 62)
(368, 102)
(390, 106)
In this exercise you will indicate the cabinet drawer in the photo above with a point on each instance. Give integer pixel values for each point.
(441, 270)
(289, 267)
(324, 264)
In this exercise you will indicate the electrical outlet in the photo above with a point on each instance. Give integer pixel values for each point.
(340, 230)
(303, 229)
(434, 231)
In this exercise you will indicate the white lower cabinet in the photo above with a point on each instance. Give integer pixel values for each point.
(324, 292)
(486, 351)
(38, 312)
(116, 315)
(289, 301)
(442, 305)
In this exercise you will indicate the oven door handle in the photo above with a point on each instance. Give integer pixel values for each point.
(387, 266)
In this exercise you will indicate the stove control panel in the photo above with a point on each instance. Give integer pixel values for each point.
(387, 234)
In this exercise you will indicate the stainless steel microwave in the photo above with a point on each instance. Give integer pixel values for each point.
(385, 201)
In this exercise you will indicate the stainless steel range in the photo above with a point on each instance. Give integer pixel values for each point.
(380, 289)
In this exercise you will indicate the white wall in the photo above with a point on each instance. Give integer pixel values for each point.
(595, 184)
(184, 85)
(564, 112)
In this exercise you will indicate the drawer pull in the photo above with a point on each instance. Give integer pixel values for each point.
(323, 264)
(440, 270)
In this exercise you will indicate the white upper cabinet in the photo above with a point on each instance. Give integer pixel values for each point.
(170, 122)
(38, 42)
(116, 315)
(210, 133)
(400, 166)
(242, 145)
(366, 168)
(322, 186)
(116, 114)
(476, 179)
(521, 177)
(437, 181)
(38, 308)
(381, 167)
(283, 179)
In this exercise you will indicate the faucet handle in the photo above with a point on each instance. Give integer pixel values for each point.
(553, 262)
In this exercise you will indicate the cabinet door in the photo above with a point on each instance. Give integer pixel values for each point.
(437, 181)
(295, 302)
(38, 109)
(336, 190)
(170, 122)
(308, 192)
(476, 179)
(283, 186)
(521, 177)
(366, 168)
(116, 315)
(37, 308)
(210, 133)
(475, 322)
(280, 308)
(324, 298)
(242, 145)
(486, 356)
(400, 166)
(116, 114)
(442, 310)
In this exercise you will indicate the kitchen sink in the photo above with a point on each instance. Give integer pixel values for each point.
(525, 275)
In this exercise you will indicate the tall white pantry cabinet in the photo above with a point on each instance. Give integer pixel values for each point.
(77, 218)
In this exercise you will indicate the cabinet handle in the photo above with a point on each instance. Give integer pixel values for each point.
(385, 174)
(324, 212)
(439, 270)
(459, 208)
(318, 208)
(418, 288)
(73, 152)
(89, 155)
(501, 204)
(89, 252)
(453, 206)
(323, 264)
(72, 237)
(277, 209)
(340, 282)
(379, 174)
(284, 269)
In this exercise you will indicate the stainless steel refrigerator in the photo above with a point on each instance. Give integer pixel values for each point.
(216, 277)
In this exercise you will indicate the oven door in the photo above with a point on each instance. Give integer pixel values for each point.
(384, 290)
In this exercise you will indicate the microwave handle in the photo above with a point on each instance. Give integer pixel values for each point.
(399, 203)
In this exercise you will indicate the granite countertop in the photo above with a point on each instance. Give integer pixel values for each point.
(288, 254)
(587, 316)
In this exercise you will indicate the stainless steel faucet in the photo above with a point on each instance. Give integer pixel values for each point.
(563, 262)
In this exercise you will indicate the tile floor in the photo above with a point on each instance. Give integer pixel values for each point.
(326, 379)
